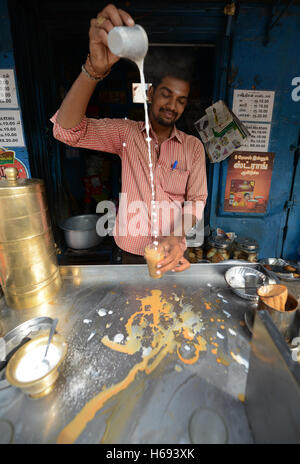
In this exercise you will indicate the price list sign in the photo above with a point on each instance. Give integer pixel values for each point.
(259, 140)
(253, 105)
(8, 93)
(11, 133)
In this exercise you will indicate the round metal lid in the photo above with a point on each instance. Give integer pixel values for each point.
(13, 183)
(247, 244)
(219, 242)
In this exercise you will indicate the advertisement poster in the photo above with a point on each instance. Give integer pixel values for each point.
(248, 182)
(8, 159)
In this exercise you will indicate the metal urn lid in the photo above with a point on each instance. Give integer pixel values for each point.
(12, 182)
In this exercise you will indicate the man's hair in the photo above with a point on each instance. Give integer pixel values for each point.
(168, 62)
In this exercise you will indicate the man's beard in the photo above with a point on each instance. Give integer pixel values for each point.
(165, 122)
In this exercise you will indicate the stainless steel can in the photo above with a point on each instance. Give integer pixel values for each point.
(29, 272)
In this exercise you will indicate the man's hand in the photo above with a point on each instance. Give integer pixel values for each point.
(101, 57)
(174, 261)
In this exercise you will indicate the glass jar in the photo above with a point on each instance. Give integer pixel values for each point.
(194, 241)
(218, 249)
(195, 254)
(246, 249)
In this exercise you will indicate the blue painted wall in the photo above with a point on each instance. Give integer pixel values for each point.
(271, 67)
(7, 62)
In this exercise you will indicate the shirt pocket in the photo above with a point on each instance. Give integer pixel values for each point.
(174, 181)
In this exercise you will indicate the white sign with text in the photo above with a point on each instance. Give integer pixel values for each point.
(11, 132)
(259, 140)
(8, 93)
(253, 105)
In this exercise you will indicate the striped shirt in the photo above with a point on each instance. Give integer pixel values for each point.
(183, 188)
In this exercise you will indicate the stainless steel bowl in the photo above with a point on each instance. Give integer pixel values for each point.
(237, 277)
(80, 231)
(30, 329)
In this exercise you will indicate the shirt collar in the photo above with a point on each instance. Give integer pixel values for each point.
(175, 132)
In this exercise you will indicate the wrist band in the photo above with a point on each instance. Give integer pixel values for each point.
(94, 76)
(98, 79)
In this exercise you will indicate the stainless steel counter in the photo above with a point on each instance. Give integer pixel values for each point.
(135, 402)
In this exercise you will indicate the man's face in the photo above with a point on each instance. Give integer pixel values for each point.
(168, 100)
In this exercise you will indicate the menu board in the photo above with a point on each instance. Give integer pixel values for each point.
(8, 93)
(11, 133)
(253, 105)
(248, 182)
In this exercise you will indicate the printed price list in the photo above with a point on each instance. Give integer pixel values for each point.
(253, 105)
(259, 140)
(8, 94)
(11, 133)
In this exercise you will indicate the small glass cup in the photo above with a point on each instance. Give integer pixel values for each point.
(153, 254)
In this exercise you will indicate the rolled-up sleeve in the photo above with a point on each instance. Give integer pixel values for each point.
(95, 134)
(196, 192)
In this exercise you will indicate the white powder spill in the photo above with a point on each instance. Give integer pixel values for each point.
(240, 360)
(146, 351)
(91, 336)
(186, 347)
(220, 335)
(224, 301)
(232, 332)
(226, 313)
(87, 321)
(110, 312)
(118, 338)
(102, 312)
(31, 366)
(219, 295)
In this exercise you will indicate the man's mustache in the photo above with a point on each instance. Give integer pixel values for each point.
(169, 111)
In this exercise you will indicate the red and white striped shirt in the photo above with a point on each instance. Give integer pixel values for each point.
(185, 185)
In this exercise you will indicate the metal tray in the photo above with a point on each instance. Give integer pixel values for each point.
(277, 264)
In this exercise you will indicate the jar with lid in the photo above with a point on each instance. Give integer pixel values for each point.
(246, 249)
(194, 241)
(218, 249)
(194, 254)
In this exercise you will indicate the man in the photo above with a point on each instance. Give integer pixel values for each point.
(178, 159)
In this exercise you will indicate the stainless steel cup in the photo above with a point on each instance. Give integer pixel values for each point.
(128, 42)
(284, 320)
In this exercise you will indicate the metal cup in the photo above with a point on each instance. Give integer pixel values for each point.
(284, 320)
(128, 42)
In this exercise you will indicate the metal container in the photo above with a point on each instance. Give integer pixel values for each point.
(29, 329)
(80, 231)
(42, 386)
(128, 42)
(29, 273)
(284, 320)
(246, 249)
(239, 278)
(218, 249)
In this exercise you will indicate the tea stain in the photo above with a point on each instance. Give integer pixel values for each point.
(157, 330)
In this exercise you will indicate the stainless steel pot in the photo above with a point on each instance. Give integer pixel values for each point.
(80, 231)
